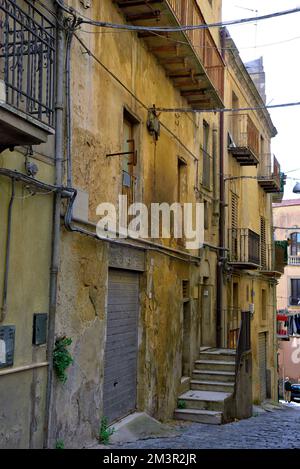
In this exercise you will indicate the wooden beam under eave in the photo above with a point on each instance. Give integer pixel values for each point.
(193, 93)
(200, 104)
(135, 3)
(166, 49)
(143, 16)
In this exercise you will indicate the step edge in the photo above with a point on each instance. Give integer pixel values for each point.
(199, 411)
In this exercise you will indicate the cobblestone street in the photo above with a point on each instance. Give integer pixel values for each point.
(276, 429)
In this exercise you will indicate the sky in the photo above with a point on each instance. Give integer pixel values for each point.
(282, 67)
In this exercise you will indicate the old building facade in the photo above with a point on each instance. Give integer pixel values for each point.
(90, 115)
(252, 178)
(286, 220)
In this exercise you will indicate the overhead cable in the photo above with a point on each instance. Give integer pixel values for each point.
(105, 24)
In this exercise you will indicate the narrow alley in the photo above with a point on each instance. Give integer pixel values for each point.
(278, 429)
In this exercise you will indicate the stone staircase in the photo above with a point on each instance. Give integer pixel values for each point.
(211, 384)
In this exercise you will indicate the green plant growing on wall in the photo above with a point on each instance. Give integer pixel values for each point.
(60, 444)
(105, 433)
(62, 358)
(181, 404)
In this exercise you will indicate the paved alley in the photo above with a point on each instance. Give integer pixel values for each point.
(269, 430)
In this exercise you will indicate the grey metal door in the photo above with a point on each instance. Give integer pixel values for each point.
(120, 365)
(262, 345)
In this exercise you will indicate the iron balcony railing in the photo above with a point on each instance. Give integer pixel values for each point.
(188, 13)
(269, 175)
(244, 246)
(294, 260)
(27, 58)
(244, 133)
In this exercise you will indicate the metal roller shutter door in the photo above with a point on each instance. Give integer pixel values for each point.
(262, 345)
(120, 365)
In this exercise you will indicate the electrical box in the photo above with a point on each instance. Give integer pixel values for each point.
(39, 328)
(7, 346)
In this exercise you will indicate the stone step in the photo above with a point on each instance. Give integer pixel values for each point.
(207, 375)
(212, 386)
(218, 355)
(200, 416)
(214, 365)
(204, 400)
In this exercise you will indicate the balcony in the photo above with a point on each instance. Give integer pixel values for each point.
(191, 59)
(274, 259)
(244, 248)
(243, 141)
(27, 61)
(269, 175)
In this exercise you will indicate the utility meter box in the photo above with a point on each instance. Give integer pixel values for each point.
(39, 336)
(7, 346)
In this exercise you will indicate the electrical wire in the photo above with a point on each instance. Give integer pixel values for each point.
(232, 49)
(105, 24)
(257, 108)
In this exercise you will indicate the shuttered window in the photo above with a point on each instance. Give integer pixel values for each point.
(263, 244)
(206, 156)
(234, 225)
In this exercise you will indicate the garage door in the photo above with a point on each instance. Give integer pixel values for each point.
(262, 343)
(120, 366)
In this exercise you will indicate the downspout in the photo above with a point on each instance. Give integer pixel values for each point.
(3, 309)
(59, 144)
(221, 221)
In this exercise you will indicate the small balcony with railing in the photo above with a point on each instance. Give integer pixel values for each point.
(191, 58)
(269, 175)
(244, 248)
(273, 258)
(27, 67)
(243, 139)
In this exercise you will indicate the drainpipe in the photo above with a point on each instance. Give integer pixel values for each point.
(221, 221)
(3, 309)
(59, 145)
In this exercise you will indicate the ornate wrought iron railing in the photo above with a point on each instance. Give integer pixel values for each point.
(27, 58)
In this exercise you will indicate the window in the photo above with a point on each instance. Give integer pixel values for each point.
(263, 305)
(295, 292)
(181, 198)
(181, 180)
(206, 156)
(295, 244)
(235, 127)
(206, 215)
(234, 225)
(128, 161)
(263, 244)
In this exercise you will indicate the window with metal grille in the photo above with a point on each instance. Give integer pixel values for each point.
(263, 244)
(295, 292)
